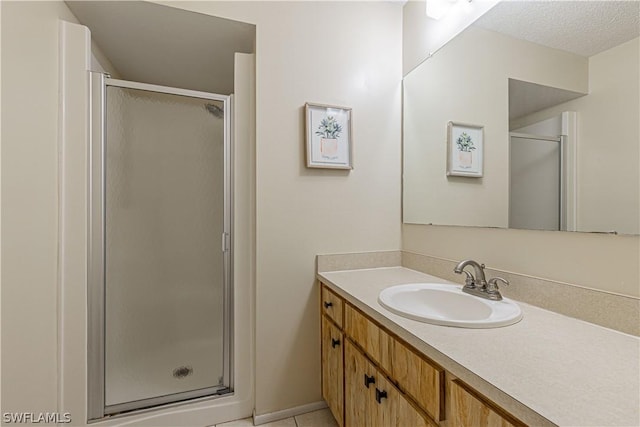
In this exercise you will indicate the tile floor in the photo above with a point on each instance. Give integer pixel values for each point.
(321, 418)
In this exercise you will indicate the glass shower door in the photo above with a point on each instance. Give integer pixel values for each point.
(535, 182)
(165, 241)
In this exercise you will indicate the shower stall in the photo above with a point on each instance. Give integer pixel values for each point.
(160, 255)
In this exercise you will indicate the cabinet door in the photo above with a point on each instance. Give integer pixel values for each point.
(469, 409)
(372, 400)
(332, 368)
(392, 409)
(359, 385)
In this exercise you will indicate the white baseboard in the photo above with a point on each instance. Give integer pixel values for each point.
(288, 413)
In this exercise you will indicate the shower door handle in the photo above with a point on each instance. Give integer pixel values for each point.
(225, 242)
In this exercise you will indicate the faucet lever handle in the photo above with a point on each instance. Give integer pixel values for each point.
(470, 281)
(492, 288)
(493, 283)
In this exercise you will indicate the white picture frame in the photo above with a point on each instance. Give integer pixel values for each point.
(328, 136)
(465, 150)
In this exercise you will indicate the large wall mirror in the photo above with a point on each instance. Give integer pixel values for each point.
(555, 88)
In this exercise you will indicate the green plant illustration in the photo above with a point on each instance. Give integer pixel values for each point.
(329, 128)
(465, 143)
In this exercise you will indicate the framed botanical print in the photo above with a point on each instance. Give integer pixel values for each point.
(465, 149)
(328, 137)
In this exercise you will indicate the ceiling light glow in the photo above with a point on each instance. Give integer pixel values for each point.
(436, 9)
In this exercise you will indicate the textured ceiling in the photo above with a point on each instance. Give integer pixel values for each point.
(582, 27)
(166, 46)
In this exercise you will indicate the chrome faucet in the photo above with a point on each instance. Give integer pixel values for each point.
(477, 285)
(479, 280)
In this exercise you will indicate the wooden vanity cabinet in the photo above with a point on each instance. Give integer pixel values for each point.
(370, 377)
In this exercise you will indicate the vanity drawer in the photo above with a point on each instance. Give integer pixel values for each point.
(332, 305)
(367, 335)
(469, 408)
(419, 378)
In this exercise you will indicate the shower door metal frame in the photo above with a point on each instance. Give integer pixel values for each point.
(96, 405)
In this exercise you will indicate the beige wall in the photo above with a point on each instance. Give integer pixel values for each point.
(440, 90)
(300, 212)
(303, 212)
(100, 62)
(608, 197)
(30, 204)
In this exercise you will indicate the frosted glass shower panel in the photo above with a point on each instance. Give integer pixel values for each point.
(164, 264)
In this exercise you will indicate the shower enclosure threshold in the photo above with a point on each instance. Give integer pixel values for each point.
(164, 402)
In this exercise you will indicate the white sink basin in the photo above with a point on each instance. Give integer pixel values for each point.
(447, 305)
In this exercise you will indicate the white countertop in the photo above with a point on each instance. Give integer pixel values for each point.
(571, 372)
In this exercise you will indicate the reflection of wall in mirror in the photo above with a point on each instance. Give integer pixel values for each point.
(608, 196)
(467, 81)
(433, 34)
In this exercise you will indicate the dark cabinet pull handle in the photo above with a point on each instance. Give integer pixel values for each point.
(334, 342)
(380, 395)
(328, 304)
(368, 380)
